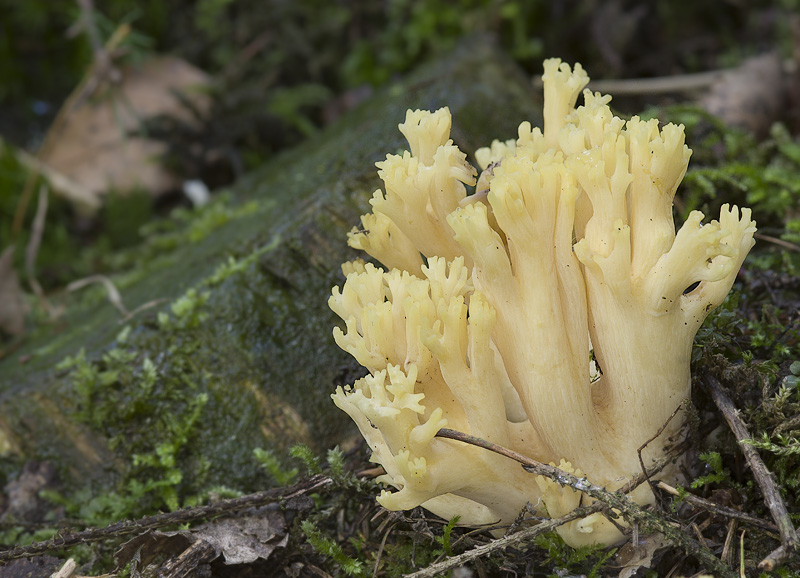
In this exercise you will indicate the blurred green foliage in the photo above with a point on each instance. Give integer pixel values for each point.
(69, 249)
(729, 166)
(282, 68)
(313, 49)
(414, 30)
(43, 54)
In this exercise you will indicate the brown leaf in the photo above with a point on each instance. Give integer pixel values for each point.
(246, 539)
(632, 558)
(750, 96)
(12, 302)
(152, 548)
(240, 540)
(98, 147)
(24, 501)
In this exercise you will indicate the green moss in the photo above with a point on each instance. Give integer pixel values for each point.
(331, 549)
(446, 539)
(162, 238)
(716, 471)
(587, 560)
(274, 467)
(150, 412)
(147, 396)
(786, 451)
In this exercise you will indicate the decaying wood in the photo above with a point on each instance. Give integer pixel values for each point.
(67, 570)
(201, 552)
(263, 344)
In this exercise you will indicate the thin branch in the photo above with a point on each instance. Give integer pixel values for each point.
(718, 509)
(777, 241)
(769, 489)
(103, 66)
(787, 425)
(235, 65)
(658, 85)
(143, 307)
(66, 187)
(647, 443)
(67, 570)
(523, 536)
(88, 24)
(614, 501)
(726, 546)
(113, 293)
(380, 551)
(127, 527)
(32, 250)
(776, 558)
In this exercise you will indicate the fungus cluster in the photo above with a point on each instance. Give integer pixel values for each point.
(551, 311)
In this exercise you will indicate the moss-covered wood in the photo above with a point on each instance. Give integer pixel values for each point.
(233, 348)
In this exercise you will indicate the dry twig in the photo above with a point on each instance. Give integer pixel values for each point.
(777, 241)
(32, 250)
(718, 509)
(128, 527)
(645, 444)
(522, 536)
(615, 502)
(691, 82)
(113, 293)
(790, 543)
(67, 570)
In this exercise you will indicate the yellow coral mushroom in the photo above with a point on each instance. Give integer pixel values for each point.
(492, 305)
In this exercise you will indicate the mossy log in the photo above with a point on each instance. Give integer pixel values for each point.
(231, 346)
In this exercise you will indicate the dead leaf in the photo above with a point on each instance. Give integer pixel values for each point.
(12, 303)
(99, 147)
(631, 558)
(151, 548)
(67, 188)
(246, 539)
(24, 501)
(750, 96)
(240, 540)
